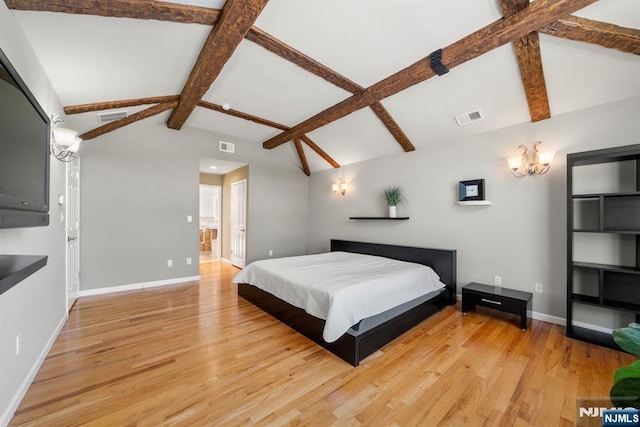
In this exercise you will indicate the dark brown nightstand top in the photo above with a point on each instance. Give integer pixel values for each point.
(498, 291)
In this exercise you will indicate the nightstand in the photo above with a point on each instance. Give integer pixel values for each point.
(503, 299)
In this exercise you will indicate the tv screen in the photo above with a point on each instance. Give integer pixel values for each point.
(24, 153)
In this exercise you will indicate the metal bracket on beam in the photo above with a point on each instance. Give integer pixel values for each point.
(436, 63)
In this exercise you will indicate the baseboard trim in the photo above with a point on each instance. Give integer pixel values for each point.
(137, 286)
(8, 413)
(548, 318)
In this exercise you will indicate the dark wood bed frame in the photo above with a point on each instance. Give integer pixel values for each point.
(352, 348)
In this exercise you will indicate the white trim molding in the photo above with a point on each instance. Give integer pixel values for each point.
(137, 286)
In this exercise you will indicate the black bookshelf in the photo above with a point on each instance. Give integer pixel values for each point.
(617, 287)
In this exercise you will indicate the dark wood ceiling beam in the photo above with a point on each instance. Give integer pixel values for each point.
(309, 64)
(393, 127)
(241, 115)
(172, 101)
(149, 112)
(541, 12)
(260, 120)
(595, 32)
(302, 156)
(574, 28)
(527, 50)
(172, 12)
(137, 9)
(293, 55)
(319, 151)
(100, 106)
(237, 18)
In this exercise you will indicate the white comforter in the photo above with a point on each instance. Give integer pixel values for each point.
(340, 287)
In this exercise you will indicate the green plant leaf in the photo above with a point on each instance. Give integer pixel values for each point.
(628, 338)
(626, 393)
(392, 195)
(631, 371)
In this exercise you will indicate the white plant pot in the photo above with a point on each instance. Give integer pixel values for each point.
(392, 211)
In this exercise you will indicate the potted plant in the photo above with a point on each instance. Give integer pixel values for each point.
(625, 392)
(393, 196)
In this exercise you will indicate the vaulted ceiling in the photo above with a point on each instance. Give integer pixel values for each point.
(331, 82)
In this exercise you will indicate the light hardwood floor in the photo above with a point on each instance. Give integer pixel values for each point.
(198, 355)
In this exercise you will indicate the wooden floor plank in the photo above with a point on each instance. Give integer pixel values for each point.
(196, 354)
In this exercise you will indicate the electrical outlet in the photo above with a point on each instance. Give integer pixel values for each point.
(539, 288)
(18, 343)
(188, 261)
(270, 252)
(189, 218)
(497, 280)
(169, 263)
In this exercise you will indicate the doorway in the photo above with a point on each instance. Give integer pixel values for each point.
(216, 228)
(210, 223)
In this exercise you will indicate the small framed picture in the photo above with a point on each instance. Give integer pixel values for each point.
(471, 190)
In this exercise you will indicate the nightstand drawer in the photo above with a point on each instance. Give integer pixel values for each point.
(493, 301)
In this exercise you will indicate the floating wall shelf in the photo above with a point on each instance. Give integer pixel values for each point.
(16, 268)
(474, 203)
(399, 218)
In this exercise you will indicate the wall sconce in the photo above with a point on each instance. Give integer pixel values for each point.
(65, 143)
(340, 187)
(538, 165)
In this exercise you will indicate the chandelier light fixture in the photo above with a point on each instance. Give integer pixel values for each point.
(65, 143)
(340, 187)
(538, 164)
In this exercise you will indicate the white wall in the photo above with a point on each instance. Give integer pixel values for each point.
(522, 237)
(139, 184)
(36, 307)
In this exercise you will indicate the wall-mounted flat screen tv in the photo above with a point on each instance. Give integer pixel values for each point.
(24, 153)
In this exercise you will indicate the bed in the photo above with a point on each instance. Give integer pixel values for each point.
(372, 333)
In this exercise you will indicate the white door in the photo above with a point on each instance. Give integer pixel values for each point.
(73, 231)
(238, 222)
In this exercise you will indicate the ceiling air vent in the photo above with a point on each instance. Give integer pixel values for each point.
(473, 116)
(111, 116)
(227, 147)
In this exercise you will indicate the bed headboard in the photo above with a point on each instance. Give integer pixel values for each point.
(442, 261)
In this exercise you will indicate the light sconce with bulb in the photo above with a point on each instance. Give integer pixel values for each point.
(539, 164)
(65, 143)
(340, 187)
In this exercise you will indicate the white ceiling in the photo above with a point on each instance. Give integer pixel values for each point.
(217, 166)
(93, 59)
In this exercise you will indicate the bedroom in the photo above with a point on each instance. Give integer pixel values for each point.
(520, 237)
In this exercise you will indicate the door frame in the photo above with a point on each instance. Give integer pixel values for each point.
(69, 199)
